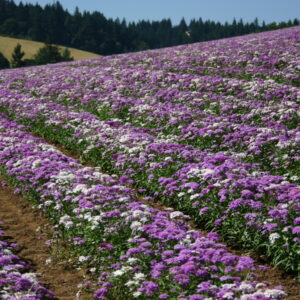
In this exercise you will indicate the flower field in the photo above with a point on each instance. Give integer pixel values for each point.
(210, 130)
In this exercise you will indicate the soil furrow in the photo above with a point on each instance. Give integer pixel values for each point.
(25, 226)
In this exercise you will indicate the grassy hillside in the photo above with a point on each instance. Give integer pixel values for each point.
(7, 45)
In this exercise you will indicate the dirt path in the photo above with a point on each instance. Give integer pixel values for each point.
(25, 226)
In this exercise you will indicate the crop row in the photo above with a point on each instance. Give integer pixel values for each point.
(217, 188)
(16, 280)
(256, 118)
(137, 251)
(225, 150)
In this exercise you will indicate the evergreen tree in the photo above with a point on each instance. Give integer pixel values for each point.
(4, 63)
(17, 56)
(66, 55)
(48, 54)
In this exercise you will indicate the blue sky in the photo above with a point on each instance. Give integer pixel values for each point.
(217, 10)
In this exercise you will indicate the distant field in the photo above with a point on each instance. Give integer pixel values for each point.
(7, 45)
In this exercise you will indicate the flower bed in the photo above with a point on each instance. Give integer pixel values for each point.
(137, 251)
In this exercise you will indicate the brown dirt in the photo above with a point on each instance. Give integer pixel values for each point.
(277, 277)
(25, 226)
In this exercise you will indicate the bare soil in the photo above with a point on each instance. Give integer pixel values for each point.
(26, 226)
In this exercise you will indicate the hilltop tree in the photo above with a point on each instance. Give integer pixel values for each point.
(48, 54)
(66, 55)
(4, 63)
(17, 56)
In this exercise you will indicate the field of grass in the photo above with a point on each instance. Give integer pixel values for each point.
(208, 132)
(30, 48)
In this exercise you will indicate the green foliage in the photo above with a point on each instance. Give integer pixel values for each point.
(4, 63)
(17, 56)
(48, 54)
(51, 54)
(66, 55)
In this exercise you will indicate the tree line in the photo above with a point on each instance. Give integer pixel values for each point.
(92, 31)
(45, 55)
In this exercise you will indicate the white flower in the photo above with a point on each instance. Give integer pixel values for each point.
(136, 294)
(64, 219)
(123, 199)
(118, 273)
(30, 276)
(83, 258)
(137, 213)
(246, 296)
(274, 294)
(83, 188)
(139, 276)
(273, 237)
(246, 287)
(135, 225)
(130, 283)
(69, 224)
(132, 260)
(78, 294)
(228, 295)
(205, 172)
(194, 196)
(176, 214)
(58, 206)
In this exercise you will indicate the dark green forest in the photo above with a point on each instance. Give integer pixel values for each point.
(92, 31)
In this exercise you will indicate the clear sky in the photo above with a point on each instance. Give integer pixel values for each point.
(217, 10)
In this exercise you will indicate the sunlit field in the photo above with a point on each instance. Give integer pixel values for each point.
(186, 153)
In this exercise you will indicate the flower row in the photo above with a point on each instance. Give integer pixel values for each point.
(136, 250)
(216, 188)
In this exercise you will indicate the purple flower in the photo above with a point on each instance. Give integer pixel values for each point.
(296, 230)
(244, 263)
(101, 293)
(196, 297)
(247, 194)
(163, 296)
(182, 279)
(213, 236)
(297, 221)
(203, 211)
